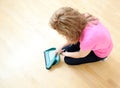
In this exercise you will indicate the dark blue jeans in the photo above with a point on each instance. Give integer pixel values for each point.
(91, 57)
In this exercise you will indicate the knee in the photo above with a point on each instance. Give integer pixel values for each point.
(68, 61)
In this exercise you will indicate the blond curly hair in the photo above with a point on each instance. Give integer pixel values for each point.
(69, 23)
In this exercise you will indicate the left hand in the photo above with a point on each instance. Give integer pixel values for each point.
(65, 53)
(79, 54)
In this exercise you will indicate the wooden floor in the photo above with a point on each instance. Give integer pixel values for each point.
(25, 34)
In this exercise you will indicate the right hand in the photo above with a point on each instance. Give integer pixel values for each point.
(59, 51)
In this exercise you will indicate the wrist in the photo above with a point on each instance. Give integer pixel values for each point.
(66, 54)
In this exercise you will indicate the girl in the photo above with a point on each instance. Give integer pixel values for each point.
(87, 39)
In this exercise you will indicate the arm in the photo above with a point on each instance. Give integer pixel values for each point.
(79, 54)
(59, 50)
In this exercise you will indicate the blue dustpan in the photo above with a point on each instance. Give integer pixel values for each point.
(51, 58)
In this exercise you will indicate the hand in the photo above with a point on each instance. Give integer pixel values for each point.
(65, 53)
(59, 51)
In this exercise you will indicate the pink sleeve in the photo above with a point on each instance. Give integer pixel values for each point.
(87, 45)
(88, 41)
